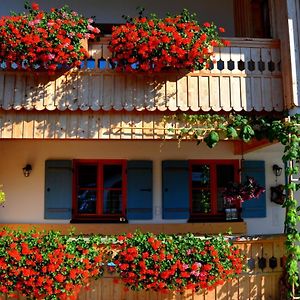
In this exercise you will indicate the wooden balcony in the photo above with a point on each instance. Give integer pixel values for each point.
(261, 279)
(245, 77)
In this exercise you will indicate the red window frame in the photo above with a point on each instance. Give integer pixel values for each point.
(213, 184)
(99, 190)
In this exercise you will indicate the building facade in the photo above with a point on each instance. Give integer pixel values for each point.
(100, 151)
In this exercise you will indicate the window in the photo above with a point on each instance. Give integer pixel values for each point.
(99, 189)
(207, 180)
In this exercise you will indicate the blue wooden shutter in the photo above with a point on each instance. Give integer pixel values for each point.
(139, 190)
(175, 189)
(254, 208)
(58, 189)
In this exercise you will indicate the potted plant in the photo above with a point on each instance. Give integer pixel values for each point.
(39, 40)
(236, 193)
(152, 44)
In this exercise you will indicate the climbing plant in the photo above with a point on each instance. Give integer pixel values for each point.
(210, 129)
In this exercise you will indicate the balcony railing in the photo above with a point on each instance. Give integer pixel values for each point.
(246, 76)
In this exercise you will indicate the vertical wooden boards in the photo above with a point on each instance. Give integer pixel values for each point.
(108, 92)
(214, 95)
(9, 91)
(193, 93)
(119, 92)
(171, 92)
(182, 93)
(204, 93)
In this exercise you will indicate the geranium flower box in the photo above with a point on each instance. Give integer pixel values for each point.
(152, 44)
(37, 40)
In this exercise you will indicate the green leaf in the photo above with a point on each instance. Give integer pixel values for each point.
(231, 132)
(247, 133)
(212, 139)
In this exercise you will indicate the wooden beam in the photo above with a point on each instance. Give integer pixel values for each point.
(242, 147)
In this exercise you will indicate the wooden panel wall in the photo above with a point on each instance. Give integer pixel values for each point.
(83, 125)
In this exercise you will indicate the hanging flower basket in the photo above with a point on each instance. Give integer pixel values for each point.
(237, 193)
(38, 40)
(152, 44)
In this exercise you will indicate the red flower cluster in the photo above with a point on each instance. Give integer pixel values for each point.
(43, 40)
(154, 44)
(47, 266)
(167, 263)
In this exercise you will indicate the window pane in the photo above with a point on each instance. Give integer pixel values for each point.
(87, 176)
(225, 174)
(201, 201)
(112, 176)
(86, 202)
(200, 176)
(112, 202)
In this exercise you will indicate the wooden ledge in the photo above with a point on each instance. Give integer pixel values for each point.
(111, 229)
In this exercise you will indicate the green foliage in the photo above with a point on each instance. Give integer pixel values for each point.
(210, 128)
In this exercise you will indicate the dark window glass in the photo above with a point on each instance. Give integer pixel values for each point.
(200, 176)
(112, 201)
(87, 176)
(112, 176)
(225, 174)
(86, 202)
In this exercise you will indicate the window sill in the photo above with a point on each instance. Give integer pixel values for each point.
(211, 219)
(108, 219)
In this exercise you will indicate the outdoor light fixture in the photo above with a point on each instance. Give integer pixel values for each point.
(277, 170)
(27, 170)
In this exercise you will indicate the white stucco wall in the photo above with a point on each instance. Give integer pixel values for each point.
(220, 12)
(25, 196)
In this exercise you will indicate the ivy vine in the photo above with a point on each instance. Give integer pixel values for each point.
(211, 129)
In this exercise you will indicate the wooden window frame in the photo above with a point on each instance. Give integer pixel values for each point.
(214, 215)
(99, 216)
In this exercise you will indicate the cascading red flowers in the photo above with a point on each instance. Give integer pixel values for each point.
(54, 266)
(47, 265)
(37, 40)
(167, 263)
(154, 44)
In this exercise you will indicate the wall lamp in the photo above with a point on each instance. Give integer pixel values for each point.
(277, 170)
(27, 170)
